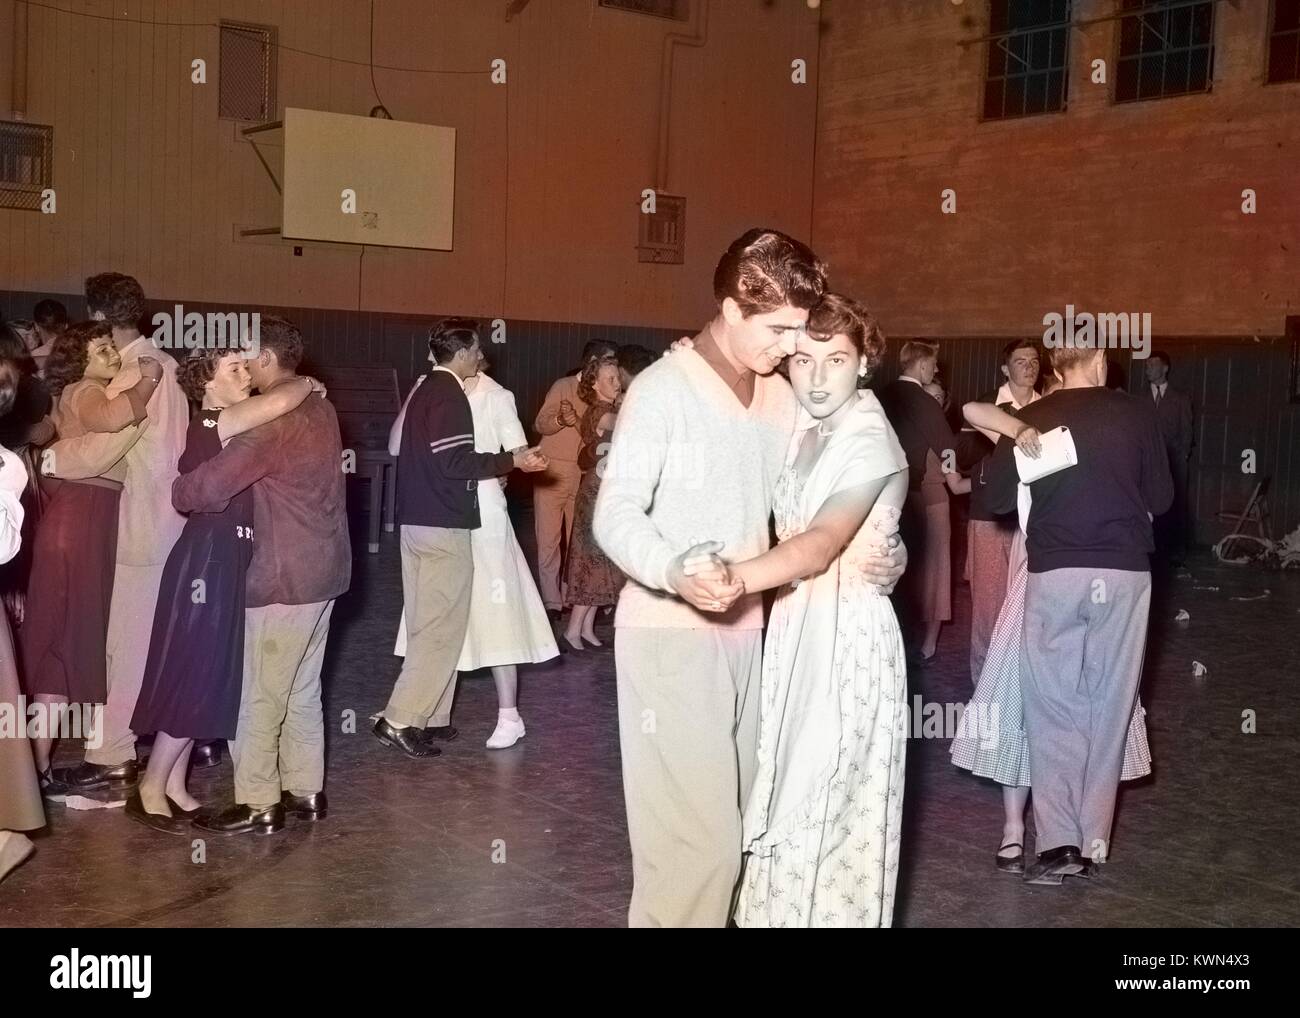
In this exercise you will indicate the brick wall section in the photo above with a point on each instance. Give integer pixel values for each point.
(1131, 207)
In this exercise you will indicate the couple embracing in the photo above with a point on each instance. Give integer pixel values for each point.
(763, 784)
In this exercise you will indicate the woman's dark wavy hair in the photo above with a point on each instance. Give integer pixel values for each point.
(587, 382)
(70, 353)
(199, 368)
(836, 315)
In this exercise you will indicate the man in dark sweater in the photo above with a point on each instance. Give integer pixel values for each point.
(924, 594)
(1086, 603)
(437, 507)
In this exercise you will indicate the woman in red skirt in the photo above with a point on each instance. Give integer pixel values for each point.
(65, 625)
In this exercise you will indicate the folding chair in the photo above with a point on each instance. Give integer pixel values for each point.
(1254, 514)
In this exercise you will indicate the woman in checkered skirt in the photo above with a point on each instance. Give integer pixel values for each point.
(990, 740)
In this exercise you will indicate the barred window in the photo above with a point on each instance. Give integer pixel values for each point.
(247, 72)
(1284, 42)
(674, 9)
(1028, 58)
(26, 164)
(1166, 48)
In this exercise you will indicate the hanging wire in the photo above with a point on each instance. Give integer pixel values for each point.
(278, 45)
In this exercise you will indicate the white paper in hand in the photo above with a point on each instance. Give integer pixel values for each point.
(1058, 454)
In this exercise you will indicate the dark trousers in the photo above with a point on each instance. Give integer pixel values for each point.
(1171, 528)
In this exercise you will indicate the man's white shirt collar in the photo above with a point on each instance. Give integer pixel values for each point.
(459, 381)
(1005, 396)
(914, 381)
(138, 339)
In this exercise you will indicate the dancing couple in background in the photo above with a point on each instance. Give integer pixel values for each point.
(469, 600)
(1064, 661)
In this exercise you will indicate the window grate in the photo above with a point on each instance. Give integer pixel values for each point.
(26, 164)
(247, 72)
(676, 10)
(1166, 48)
(1284, 42)
(662, 234)
(1027, 71)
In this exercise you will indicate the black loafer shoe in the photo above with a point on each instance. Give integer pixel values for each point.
(184, 814)
(242, 819)
(1063, 861)
(409, 740)
(443, 733)
(1010, 863)
(305, 807)
(155, 821)
(206, 754)
(86, 777)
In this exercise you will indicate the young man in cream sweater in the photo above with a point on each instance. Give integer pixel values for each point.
(700, 442)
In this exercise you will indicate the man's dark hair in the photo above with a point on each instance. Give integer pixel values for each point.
(1160, 355)
(1013, 346)
(634, 358)
(764, 270)
(51, 315)
(118, 297)
(282, 338)
(451, 335)
(596, 348)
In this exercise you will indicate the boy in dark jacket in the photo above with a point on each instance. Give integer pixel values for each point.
(437, 507)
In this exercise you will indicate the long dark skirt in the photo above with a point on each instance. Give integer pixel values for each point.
(194, 675)
(590, 577)
(65, 624)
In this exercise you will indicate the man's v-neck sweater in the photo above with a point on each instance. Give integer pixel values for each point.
(689, 464)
